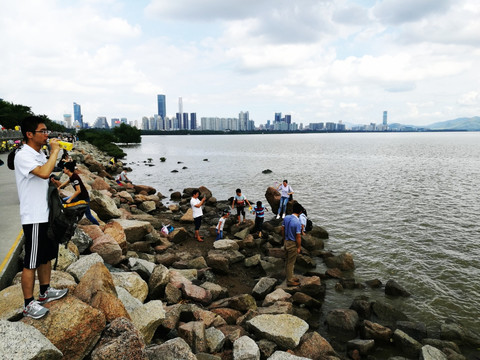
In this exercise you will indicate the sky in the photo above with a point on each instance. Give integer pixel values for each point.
(317, 60)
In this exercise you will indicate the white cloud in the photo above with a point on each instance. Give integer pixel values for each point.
(319, 60)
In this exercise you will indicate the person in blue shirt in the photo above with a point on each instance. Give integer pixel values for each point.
(292, 239)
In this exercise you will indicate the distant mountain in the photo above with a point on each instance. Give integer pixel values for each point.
(470, 124)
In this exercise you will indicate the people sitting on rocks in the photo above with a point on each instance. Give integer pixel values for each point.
(80, 193)
(122, 178)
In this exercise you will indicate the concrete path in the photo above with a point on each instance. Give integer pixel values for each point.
(10, 226)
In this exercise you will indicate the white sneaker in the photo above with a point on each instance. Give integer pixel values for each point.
(35, 310)
(283, 216)
(278, 217)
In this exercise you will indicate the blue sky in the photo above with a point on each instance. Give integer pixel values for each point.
(317, 60)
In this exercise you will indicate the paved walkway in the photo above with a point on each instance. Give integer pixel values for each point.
(10, 226)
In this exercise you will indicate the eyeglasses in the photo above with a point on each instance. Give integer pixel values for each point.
(45, 132)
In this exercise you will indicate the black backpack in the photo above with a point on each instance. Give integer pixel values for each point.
(309, 225)
(62, 221)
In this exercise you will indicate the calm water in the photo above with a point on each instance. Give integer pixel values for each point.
(405, 205)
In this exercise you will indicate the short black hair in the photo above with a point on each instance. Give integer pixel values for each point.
(195, 191)
(70, 165)
(238, 190)
(259, 203)
(30, 124)
(297, 208)
(285, 181)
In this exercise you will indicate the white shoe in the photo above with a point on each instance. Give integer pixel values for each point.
(283, 216)
(278, 217)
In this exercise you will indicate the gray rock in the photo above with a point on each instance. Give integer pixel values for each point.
(130, 302)
(343, 261)
(148, 206)
(81, 240)
(81, 266)
(452, 330)
(408, 345)
(148, 318)
(343, 321)
(363, 346)
(103, 205)
(441, 344)
(252, 260)
(225, 245)
(387, 314)
(135, 230)
(158, 281)
(244, 348)
(264, 286)
(430, 353)
(416, 330)
(392, 288)
(175, 349)
(282, 355)
(284, 329)
(214, 339)
(216, 290)
(21, 341)
(193, 333)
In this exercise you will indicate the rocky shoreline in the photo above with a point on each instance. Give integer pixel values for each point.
(138, 293)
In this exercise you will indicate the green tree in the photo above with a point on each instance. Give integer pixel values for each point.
(12, 115)
(127, 134)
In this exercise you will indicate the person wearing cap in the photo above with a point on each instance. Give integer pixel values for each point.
(80, 193)
(32, 172)
(221, 224)
(292, 240)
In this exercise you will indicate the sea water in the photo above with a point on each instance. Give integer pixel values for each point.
(406, 205)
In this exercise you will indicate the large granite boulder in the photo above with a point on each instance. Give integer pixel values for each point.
(133, 283)
(80, 267)
(71, 325)
(314, 346)
(344, 322)
(244, 348)
(21, 341)
(148, 318)
(103, 205)
(115, 230)
(108, 248)
(135, 230)
(175, 349)
(343, 261)
(284, 329)
(120, 340)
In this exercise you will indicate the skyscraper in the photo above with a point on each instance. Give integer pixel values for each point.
(77, 114)
(384, 118)
(180, 112)
(193, 121)
(162, 108)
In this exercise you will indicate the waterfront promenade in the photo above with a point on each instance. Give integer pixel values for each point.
(10, 226)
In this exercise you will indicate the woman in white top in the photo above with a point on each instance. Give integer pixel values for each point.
(285, 190)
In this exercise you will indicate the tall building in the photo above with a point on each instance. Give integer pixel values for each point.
(185, 121)
(385, 118)
(278, 117)
(180, 112)
(162, 107)
(193, 121)
(77, 114)
(68, 120)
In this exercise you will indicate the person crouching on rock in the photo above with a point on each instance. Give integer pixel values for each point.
(292, 240)
(196, 205)
(80, 193)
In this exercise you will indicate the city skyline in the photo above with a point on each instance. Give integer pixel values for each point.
(346, 60)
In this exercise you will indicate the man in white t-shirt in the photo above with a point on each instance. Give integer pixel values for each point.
(32, 171)
(197, 212)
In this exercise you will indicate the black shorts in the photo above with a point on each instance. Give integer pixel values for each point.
(258, 223)
(198, 222)
(39, 249)
(241, 210)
